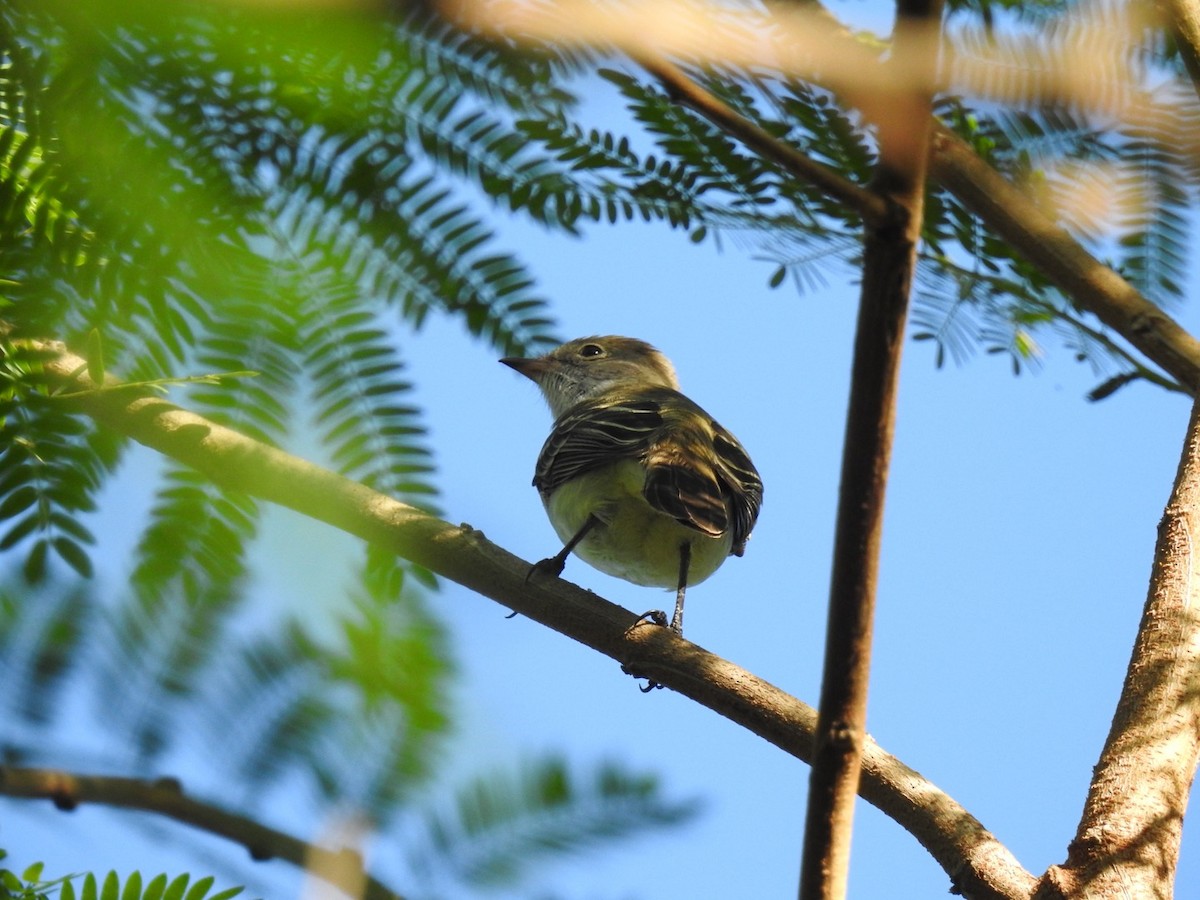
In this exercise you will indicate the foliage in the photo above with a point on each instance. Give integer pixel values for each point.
(29, 885)
(503, 823)
(285, 230)
(170, 200)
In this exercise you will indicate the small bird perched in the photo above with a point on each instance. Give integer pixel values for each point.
(638, 480)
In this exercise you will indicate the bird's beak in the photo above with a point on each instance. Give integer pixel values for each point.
(533, 369)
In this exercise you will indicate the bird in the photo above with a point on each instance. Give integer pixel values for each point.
(636, 478)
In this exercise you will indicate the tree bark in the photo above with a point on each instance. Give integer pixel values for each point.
(1127, 844)
(342, 868)
(889, 261)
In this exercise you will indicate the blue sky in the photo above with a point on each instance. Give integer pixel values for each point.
(1018, 541)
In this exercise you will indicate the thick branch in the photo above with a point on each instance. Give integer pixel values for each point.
(164, 796)
(889, 259)
(976, 862)
(1087, 281)
(1127, 844)
(866, 203)
(1185, 24)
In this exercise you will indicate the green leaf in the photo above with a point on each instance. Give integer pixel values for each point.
(94, 353)
(177, 888)
(133, 887)
(34, 569)
(156, 887)
(111, 889)
(200, 888)
(18, 501)
(21, 530)
(74, 556)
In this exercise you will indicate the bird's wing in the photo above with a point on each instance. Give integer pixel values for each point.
(696, 471)
(746, 488)
(595, 434)
(684, 484)
(699, 473)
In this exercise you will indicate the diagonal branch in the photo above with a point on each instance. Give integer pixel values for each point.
(1127, 844)
(977, 863)
(684, 90)
(165, 797)
(1088, 282)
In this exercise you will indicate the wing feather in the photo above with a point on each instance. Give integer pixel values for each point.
(696, 471)
(592, 435)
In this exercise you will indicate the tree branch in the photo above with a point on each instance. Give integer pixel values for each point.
(978, 864)
(1087, 281)
(1002, 206)
(683, 89)
(164, 796)
(1127, 844)
(1185, 25)
(889, 260)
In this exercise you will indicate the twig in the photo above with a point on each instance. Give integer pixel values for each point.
(1111, 385)
(684, 90)
(889, 260)
(1138, 369)
(164, 796)
(1127, 844)
(976, 862)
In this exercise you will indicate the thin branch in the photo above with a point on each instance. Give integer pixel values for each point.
(889, 260)
(164, 796)
(1138, 370)
(1127, 844)
(684, 90)
(978, 864)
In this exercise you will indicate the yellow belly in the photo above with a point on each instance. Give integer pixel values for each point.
(634, 541)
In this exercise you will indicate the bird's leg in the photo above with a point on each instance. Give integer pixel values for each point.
(554, 565)
(657, 616)
(685, 558)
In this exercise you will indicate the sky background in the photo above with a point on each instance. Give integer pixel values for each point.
(1019, 535)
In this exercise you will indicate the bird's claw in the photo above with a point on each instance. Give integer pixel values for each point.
(654, 617)
(651, 684)
(551, 565)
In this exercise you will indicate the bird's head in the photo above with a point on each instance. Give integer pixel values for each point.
(592, 366)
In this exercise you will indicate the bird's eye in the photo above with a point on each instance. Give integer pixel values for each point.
(591, 351)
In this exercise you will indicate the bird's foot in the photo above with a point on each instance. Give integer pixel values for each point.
(551, 565)
(653, 617)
